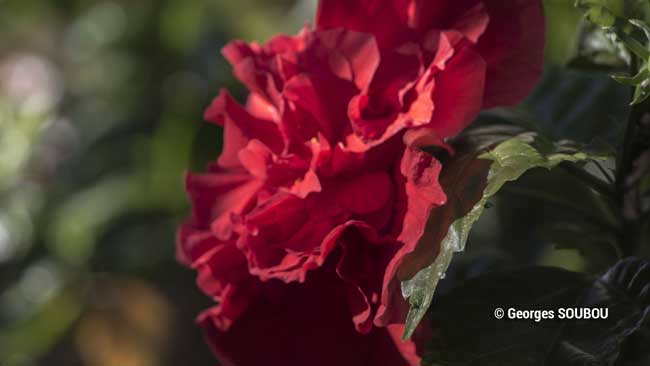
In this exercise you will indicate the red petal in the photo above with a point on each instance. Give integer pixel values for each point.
(244, 126)
(385, 19)
(323, 100)
(302, 324)
(192, 243)
(512, 44)
(362, 264)
(440, 14)
(217, 196)
(263, 68)
(423, 193)
(458, 93)
(366, 193)
(513, 47)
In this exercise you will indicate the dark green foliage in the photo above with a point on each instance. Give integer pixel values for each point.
(467, 332)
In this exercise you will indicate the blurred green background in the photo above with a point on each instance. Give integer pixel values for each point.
(100, 115)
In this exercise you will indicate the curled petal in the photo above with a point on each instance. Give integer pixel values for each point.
(192, 243)
(423, 193)
(218, 196)
(458, 94)
(287, 236)
(243, 126)
(263, 69)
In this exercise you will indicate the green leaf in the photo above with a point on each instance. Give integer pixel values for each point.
(635, 350)
(641, 81)
(637, 9)
(607, 12)
(598, 51)
(641, 25)
(641, 93)
(581, 106)
(602, 12)
(598, 246)
(469, 180)
(632, 44)
(636, 80)
(464, 319)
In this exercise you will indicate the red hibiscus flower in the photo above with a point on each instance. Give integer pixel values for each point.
(298, 229)
(310, 266)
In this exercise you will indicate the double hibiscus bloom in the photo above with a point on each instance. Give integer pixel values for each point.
(299, 229)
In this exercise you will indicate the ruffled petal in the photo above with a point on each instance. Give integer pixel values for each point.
(263, 69)
(241, 126)
(287, 236)
(217, 196)
(321, 103)
(193, 243)
(344, 53)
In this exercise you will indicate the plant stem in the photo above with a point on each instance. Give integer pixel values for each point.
(633, 146)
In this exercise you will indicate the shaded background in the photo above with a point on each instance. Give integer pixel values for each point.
(100, 115)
